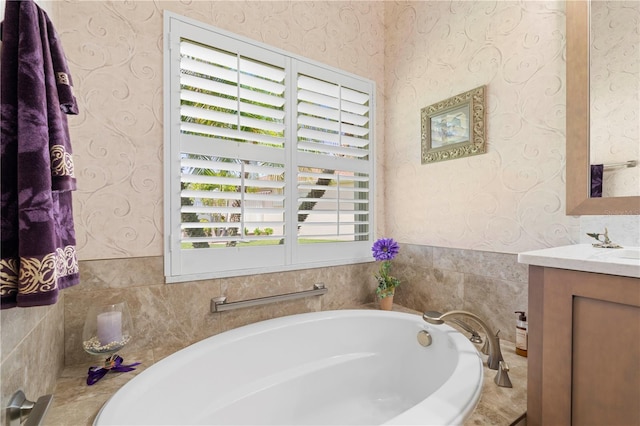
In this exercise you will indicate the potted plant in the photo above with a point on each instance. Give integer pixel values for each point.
(384, 250)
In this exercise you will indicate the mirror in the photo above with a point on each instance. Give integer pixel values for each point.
(614, 95)
(579, 163)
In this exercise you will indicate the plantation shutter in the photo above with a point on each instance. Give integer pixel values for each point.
(269, 161)
(231, 154)
(334, 161)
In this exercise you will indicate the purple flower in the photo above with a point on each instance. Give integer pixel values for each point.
(385, 249)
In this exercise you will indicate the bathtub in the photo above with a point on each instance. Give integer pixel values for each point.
(335, 367)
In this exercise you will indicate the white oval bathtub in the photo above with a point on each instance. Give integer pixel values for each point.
(332, 367)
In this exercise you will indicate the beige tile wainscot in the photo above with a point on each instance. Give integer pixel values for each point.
(77, 404)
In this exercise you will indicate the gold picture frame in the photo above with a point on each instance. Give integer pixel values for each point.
(454, 128)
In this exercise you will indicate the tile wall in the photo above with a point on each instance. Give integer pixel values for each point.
(32, 351)
(491, 285)
(168, 317)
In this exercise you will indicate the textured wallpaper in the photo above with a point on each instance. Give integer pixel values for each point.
(512, 198)
(615, 93)
(115, 54)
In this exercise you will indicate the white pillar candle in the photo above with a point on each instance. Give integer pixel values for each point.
(109, 327)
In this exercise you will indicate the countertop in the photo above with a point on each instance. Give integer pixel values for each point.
(584, 257)
(77, 404)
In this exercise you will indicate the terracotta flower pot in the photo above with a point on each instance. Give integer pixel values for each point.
(386, 303)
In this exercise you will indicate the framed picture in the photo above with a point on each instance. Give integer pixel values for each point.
(454, 128)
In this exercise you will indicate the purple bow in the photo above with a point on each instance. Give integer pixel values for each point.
(113, 363)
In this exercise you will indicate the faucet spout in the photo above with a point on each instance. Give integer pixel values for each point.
(495, 360)
(495, 354)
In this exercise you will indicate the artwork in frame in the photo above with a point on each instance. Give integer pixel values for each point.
(454, 128)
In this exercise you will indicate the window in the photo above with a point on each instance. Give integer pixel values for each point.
(268, 158)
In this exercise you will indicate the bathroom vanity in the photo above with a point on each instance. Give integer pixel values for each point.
(584, 336)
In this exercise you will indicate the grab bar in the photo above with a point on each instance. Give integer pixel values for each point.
(626, 164)
(220, 304)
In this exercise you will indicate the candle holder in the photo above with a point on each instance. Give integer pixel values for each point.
(107, 329)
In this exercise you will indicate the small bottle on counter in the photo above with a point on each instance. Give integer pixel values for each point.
(522, 335)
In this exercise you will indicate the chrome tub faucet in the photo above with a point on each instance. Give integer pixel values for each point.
(495, 361)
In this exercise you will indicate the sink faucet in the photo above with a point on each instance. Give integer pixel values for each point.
(495, 360)
(605, 242)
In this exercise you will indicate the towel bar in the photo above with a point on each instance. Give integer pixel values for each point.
(220, 304)
(626, 164)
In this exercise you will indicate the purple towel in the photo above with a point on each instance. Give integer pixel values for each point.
(38, 237)
(596, 180)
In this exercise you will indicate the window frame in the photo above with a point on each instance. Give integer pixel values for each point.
(291, 255)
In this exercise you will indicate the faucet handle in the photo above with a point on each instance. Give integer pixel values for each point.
(502, 376)
(23, 412)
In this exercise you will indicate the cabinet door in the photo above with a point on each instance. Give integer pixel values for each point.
(584, 354)
(605, 388)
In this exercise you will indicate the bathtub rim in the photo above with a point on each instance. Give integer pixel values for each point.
(469, 364)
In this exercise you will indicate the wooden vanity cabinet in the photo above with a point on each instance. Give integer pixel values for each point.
(584, 348)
